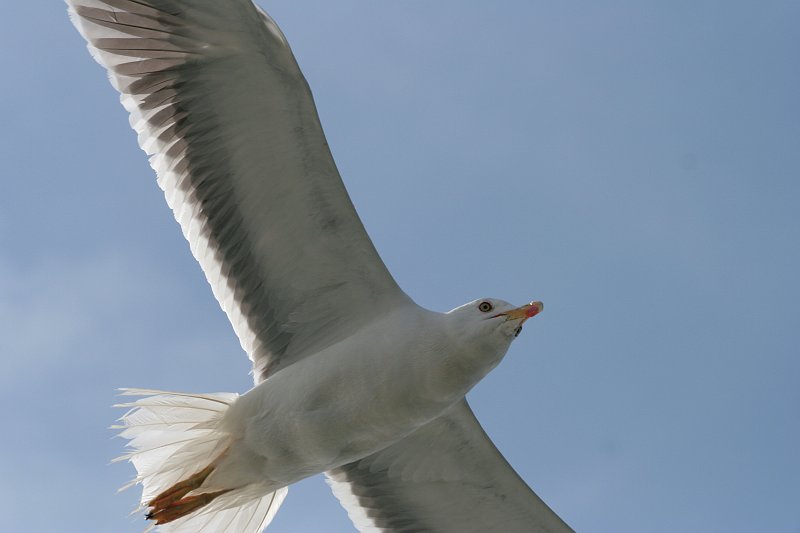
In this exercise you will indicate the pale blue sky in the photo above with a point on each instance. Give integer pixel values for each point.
(633, 164)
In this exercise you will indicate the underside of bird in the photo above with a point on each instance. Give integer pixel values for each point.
(227, 118)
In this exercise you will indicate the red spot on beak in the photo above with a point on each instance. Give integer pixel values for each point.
(524, 313)
(534, 309)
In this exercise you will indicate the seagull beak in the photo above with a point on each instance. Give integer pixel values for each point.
(523, 313)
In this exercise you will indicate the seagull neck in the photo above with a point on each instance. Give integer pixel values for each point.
(463, 358)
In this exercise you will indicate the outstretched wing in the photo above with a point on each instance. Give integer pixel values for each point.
(223, 111)
(447, 477)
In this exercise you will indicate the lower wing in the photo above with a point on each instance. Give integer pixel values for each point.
(446, 477)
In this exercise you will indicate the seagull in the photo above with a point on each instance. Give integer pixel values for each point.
(352, 378)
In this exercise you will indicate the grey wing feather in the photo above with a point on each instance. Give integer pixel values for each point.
(447, 477)
(220, 105)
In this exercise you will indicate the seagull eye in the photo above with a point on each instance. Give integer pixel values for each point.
(485, 307)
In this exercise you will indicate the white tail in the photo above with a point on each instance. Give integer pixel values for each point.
(174, 442)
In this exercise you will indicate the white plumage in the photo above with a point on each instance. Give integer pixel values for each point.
(353, 378)
(169, 435)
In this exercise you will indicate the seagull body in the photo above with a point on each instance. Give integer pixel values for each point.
(352, 377)
(352, 399)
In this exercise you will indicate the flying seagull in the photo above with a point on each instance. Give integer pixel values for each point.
(352, 377)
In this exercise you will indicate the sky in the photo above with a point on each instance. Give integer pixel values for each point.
(633, 164)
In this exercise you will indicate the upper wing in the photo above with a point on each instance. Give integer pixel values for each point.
(223, 110)
(447, 477)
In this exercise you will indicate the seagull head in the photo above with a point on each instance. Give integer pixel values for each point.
(493, 320)
(481, 332)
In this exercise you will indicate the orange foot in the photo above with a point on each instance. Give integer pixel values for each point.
(182, 507)
(174, 503)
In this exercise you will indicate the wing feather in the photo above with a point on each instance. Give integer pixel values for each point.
(227, 118)
(447, 477)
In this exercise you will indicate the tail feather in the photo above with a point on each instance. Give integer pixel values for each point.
(226, 514)
(175, 441)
